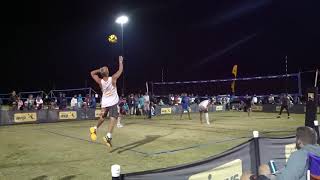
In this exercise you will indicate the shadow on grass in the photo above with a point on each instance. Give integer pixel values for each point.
(127, 147)
(2, 166)
(45, 177)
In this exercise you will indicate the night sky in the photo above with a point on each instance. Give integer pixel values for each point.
(55, 44)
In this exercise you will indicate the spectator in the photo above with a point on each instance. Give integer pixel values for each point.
(30, 102)
(20, 104)
(146, 100)
(161, 102)
(39, 103)
(59, 101)
(255, 99)
(93, 102)
(141, 105)
(74, 102)
(64, 101)
(86, 102)
(13, 100)
(80, 101)
(131, 104)
(296, 168)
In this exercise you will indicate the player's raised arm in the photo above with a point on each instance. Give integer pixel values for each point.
(95, 77)
(119, 72)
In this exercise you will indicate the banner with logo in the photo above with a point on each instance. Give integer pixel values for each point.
(165, 110)
(63, 115)
(25, 117)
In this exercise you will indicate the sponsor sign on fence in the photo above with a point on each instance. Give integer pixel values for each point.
(63, 115)
(219, 108)
(25, 117)
(166, 111)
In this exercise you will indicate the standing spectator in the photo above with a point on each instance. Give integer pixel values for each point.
(93, 102)
(59, 101)
(131, 104)
(86, 102)
(13, 100)
(39, 103)
(141, 105)
(20, 104)
(146, 100)
(30, 102)
(64, 101)
(74, 102)
(80, 101)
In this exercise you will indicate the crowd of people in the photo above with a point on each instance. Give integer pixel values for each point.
(16, 102)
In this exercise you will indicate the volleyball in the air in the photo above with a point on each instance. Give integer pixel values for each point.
(112, 38)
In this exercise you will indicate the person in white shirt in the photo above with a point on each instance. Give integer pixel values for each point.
(146, 104)
(74, 102)
(109, 100)
(203, 109)
(39, 102)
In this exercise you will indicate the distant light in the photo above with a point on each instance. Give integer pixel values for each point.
(122, 20)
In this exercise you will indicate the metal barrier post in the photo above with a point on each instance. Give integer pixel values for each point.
(317, 129)
(256, 149)
(116, 172)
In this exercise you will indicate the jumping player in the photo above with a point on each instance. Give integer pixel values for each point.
(185, 103)
(203, 108)
(109, 100)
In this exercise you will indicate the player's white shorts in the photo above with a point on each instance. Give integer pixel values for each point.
(202, 109)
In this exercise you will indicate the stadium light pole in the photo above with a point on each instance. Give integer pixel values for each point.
(122, 20)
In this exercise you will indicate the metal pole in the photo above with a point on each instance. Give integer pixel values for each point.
(122, 52)
(286, 74)
(316, 78)
(299, 84)
(162, 74)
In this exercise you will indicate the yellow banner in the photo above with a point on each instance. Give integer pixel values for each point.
(290, 148)
(25, 117)
(219, 108)
(257, 108)
(230, 170)
(166, 111)
(97, 113)
(233, 84)
(68, 115)
(235, 70)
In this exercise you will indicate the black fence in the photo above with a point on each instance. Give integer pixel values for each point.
(227, 165)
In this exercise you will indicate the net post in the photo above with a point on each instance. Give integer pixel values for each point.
(256, 149)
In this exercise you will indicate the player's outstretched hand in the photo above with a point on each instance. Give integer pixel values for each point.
(120, 59)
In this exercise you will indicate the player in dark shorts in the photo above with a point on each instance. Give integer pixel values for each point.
(285, 102)
(185, 103)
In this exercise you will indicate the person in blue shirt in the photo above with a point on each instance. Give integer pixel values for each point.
(141, 104)
(93, 102)
(185, 103)
(80, 101)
